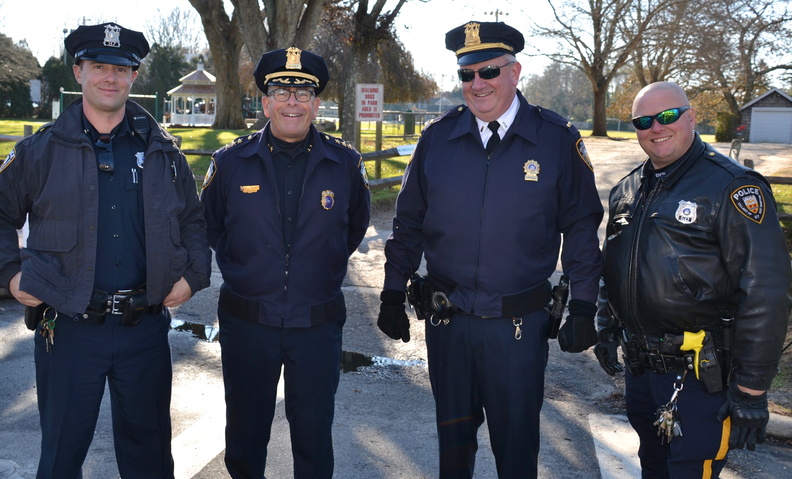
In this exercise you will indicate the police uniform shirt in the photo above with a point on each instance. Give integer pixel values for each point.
(289, 160)
(120, 252)
(506, 120)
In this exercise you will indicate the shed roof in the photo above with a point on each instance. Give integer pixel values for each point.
(762, 97)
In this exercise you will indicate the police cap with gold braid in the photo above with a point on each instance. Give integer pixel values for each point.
(291, 67)
(107, 43)
(476, 42)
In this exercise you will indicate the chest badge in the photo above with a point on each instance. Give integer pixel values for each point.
(686, 213)
(531, 169)
(140, 159)
(328, 199)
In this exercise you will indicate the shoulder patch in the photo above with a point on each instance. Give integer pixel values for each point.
(749, 200)
(363, 172)
(9, 159)
(210, 173)
(581, 149)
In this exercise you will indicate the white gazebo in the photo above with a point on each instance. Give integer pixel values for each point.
(193, 103)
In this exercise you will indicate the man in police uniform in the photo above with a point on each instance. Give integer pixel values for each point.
(286, 207)
(489, 221)
(697, 288)
(117, 235)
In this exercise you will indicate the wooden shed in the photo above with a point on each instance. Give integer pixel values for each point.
(768, 118)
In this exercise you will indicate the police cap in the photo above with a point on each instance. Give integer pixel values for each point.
(291, 67)
(476, 42)
(107, 43)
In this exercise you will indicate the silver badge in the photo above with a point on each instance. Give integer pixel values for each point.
(140, 159)
(112, 36)
(686, 213)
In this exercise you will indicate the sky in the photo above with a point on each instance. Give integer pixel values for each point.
(421, 26)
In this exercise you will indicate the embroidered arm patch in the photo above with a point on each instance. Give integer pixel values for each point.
(749, 200)
(581, 149)
(9, 159)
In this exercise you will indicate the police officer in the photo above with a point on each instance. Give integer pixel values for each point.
(117, 235)
(697, 287)
(491, 189)
(286, 207)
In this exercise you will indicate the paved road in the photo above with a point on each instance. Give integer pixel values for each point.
(384, 424)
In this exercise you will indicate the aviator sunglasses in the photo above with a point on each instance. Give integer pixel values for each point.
(664, 118)
(485, 73)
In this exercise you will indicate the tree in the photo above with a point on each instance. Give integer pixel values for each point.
(388, 63)
(17, 67)
(225, 43)
(598, 37)
(741, 44)
(54, 76)
(561, 88)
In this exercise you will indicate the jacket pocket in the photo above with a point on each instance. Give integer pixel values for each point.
(50, 254)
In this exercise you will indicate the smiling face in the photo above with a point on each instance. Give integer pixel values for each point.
(664, 143)
(290, 119)
(489, 99)
(105, 87)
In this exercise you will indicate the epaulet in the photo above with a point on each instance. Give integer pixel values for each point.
(44, 127)
(238, 141)
(450, 113)
(555, 118)
(339, 143)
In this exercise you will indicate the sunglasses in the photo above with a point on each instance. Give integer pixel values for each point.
(664, 118)
(486, 73)
(105, 157)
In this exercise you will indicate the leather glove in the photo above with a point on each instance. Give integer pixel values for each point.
(607, 354)
(392, 318)
(749, 416)
(578, 332)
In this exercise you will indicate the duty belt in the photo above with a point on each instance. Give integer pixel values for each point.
(661, 354)
(130, 304)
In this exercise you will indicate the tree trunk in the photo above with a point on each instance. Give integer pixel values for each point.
(600, 127)
(225, 42)
(347, 107)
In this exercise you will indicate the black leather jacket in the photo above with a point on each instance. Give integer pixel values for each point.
(703, 243)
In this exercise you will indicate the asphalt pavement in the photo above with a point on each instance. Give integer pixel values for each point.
(384, 423)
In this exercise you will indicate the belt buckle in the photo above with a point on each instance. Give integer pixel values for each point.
(115, 303)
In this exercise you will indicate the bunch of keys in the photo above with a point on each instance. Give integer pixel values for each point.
(667, 418)
(48, 329)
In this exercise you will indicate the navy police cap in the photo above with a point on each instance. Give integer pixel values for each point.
(107, 43)
(291, 67)
(476, 42)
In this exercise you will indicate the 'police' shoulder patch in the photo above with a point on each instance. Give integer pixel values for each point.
(363, 173)
(9, 159)
(210, 172)
(749, 200)
(581, 149)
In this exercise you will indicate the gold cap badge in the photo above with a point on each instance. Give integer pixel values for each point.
(472, 34)
(293, 58)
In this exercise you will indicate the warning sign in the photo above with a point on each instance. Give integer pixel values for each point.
(369, 100)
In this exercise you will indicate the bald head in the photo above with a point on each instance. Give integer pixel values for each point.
(667, 89)
(664, 143)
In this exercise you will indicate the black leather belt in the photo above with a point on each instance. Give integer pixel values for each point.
(103, 303)
(512, 306)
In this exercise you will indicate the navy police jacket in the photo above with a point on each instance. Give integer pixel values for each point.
(298, 286)
(53, 177)
(704, 243)
(492, 225)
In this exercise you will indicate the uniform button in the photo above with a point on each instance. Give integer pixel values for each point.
(115, 236)
(289, 192)
(118, 263)
(90, 268)
(91, 228)
(91, 187)
(112, 207)
(290, 219)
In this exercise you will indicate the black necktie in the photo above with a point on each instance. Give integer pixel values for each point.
(495, 138)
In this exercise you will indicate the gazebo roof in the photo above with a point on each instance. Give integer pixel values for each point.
(197, 82)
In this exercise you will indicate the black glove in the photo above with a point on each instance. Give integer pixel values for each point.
(749, 418)
(578, 333)
(392, 318)
(606, 352)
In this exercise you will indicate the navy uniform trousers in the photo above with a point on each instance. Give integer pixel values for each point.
(136, 363)
(475, 366)
(252, 356)
(701, 450)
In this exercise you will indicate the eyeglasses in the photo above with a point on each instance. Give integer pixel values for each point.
(486, 73)
(282, 94)
(664, 118)
(105, 157)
